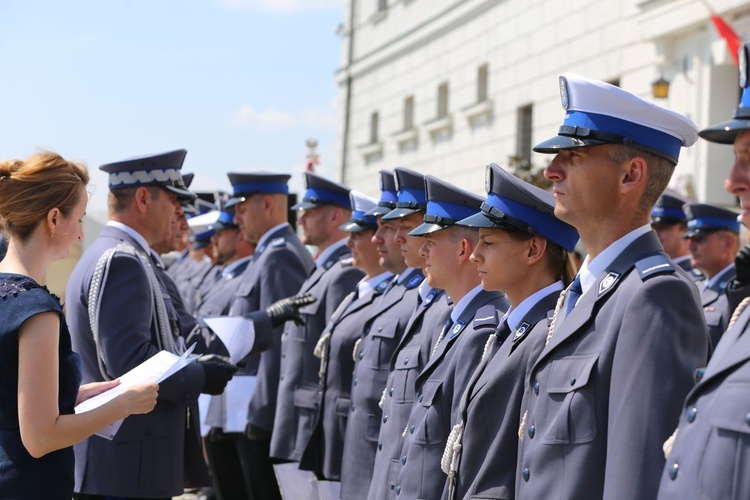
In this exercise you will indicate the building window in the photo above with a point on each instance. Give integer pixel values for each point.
(382, 4)
(409, 113)
(374, 123)
(523, 135)
(482, 80)
(442, 102)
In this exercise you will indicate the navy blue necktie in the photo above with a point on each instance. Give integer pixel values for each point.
(574, 293)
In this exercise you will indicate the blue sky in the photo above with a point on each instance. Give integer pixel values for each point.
(240, 84)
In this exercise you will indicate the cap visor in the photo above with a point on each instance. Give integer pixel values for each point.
(181, 193)
(223, 225)
(397, 213)
(234, 201)
(552, 146)
(425, 228)
(189, 210)
(353, 227)
(699, 231)
(477, 220)
(378, 211)
(667, 221)
(305, 205)
(725, 133)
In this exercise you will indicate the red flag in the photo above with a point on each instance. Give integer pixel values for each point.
(729, 35)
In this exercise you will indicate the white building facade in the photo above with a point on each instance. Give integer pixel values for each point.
(448, 86)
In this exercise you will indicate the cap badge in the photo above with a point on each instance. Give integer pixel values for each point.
(564, 93)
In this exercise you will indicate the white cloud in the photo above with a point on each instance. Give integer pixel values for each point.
(247, 116)
(286, 6)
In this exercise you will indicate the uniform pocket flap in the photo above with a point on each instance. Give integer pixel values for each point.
(408, 358)
(571, 373)
(731, 410)
(384, 330)
(342, 406)
(310, 309)
(713, 318)
(429, 391)
(306, 397)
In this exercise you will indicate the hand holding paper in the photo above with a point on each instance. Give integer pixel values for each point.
(236, 333)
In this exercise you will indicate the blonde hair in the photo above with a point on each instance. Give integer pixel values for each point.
(29, 189)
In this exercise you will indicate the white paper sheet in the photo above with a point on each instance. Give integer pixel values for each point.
(237, 334)
(157, 368)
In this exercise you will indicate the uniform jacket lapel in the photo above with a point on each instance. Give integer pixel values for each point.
(606, 282)
(709, 295)
(733, 348)
(464, 320)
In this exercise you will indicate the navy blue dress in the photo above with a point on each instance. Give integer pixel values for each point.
(21, 475)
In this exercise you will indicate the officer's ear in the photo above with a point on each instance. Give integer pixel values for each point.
(634, 173)
(142, 198)
(537, 247)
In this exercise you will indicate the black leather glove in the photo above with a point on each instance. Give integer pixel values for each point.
(287, 309)
(742, 265)
(219, 370)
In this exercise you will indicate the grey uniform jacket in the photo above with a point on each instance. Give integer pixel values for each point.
(296, 405)
(326, 444)
(607, 389)
(216, 302)
(278, 269)
(491, 405)
(147, 455)
(711, 455)
(417, 474)
(716, 304)
(410, 357)
(382, 333)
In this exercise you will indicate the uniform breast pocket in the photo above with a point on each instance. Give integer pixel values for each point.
(382, 342)
(300, 333)
(405, 372)
(570, 417)
(430, 430)
(725, 466)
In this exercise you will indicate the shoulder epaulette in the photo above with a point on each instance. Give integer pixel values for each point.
(347, 262)
(486, 316)
(383, 285)
(278, 242)
(653, 265)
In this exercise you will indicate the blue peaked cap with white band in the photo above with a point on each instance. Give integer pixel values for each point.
(320, 191)
(726, 132)
(361, 207)
(411, 194)
(515, 204)
(388, 195)
(163, 169)
(598, 113)
(668, 210)
(446, 205)
(704, 218)
(245, 185)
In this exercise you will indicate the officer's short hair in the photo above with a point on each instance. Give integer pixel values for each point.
(659, 171)
(119, 200)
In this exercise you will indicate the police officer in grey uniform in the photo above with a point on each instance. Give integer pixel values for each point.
(334, 349)
(325, 206)
(523, 250)
(709, 458)
(280, 265)
(670, 223)
(447, 248)
(713, 233)
(606, 389)
(118, 319)
(381, 334)
(410, 356)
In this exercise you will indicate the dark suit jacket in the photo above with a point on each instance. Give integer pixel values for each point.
(611, 382)
(279, 268)
(147, 456)
(711, 455)
(380, 336)
(296, 404)
(326, 445)
(439, 386)
(410, 357)
(491, 405)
